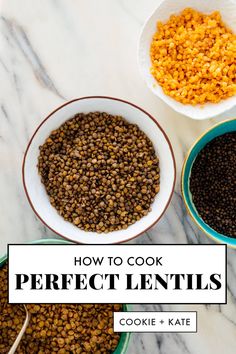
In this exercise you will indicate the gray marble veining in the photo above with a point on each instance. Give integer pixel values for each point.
(55, 50)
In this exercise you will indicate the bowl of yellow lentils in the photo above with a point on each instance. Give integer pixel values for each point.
(187, 56)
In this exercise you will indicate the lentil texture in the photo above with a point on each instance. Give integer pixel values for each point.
(213, 184)
(11, 317)
(62, 329)
(100, 172)
(193, 57)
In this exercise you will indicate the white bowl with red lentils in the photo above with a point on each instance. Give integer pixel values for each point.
(99, 170)
(187, 56)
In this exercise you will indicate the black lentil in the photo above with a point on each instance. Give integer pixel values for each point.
(213, 184)
(100, 171)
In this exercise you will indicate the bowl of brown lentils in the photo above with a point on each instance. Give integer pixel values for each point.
(59, 328)
(187, 56)
(99, 170)
(209, 182)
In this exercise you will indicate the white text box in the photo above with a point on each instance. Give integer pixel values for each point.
(117, 274)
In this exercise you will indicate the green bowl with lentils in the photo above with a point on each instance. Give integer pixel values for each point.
(17, 315)
(209, 180)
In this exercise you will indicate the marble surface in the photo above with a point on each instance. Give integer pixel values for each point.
(54, 50)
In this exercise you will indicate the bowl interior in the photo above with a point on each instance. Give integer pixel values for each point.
(222, 128)
(227, 9)
(125, 336)
(36, 192)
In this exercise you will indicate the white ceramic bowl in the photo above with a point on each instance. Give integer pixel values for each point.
(38, 197)
(166, 8)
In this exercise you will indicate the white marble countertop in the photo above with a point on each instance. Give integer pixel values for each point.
(54, 50)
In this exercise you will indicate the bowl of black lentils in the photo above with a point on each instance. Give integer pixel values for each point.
(209, 182)
(59, 328)
(99, 170)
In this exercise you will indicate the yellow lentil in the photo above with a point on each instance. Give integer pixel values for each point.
(193, 57)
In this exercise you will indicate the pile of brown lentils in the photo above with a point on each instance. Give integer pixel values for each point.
(100, 172)
(62, 329)
(11, 317)
(213, 184)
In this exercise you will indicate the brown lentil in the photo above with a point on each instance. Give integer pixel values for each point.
(11, 317)
(193, 57)
(62, 329)
(213, 184)
(100, 172)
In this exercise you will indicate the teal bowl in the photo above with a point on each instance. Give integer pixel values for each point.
(218, 129)
(125, 337)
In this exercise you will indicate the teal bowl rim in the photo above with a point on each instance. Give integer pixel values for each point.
(226, 126)
(125, 336)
